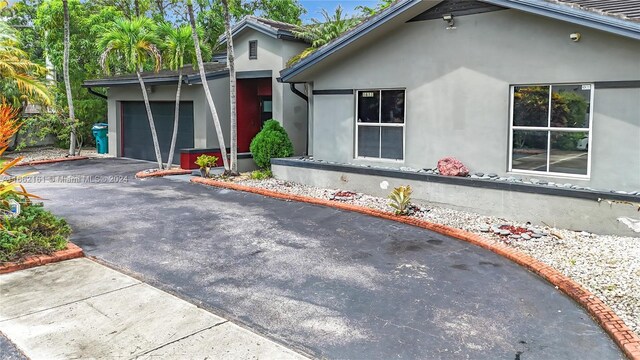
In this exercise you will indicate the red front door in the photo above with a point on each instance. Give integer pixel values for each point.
(253, 105)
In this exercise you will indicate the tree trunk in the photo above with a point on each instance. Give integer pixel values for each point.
(176, 120)
(152, 124)
(67, 82)
(232, 89)
(205, 85)
(136, 4)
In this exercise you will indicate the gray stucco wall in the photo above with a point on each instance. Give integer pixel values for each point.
(204, 130)
(458, 84)
(544, 210)
(273, 54)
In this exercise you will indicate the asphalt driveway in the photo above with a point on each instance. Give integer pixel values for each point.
(332, 283)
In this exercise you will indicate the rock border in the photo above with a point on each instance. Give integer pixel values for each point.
(52, 161)
(160, 173)
(71, 252)
(621, 334)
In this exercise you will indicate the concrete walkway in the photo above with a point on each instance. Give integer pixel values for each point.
(81, 309)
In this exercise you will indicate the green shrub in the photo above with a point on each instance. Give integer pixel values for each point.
(271, 142)
(261, 174)
(35, 231)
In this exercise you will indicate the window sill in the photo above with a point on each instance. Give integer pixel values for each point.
(371, 159)
(550, 175)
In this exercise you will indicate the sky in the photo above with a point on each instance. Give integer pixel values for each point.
(314, 6)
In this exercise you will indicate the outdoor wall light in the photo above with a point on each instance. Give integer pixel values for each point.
(449, 19)
(575, 37)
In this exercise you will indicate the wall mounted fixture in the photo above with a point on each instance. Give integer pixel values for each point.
(449, 19)
(575, 37)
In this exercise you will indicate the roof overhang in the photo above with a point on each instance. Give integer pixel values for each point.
(164, 80)
(563, 12)
(575, 15)
(249, 22)
(352, 36)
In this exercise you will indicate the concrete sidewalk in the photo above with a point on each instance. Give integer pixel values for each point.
(81, 309)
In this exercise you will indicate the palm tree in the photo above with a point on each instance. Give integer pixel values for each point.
(321, 32)
(177, 45)
(18, 70)
(205, 85)
(232, 88)
(132, 43)
(67, 82)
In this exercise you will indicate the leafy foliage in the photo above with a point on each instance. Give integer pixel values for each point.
(401, 199)
(322, 31)
(261, 174)
(176, 44)
(271, 142)
(9, 124)
(17, 72)
(206, 162)
(129, 46)
(370, 11)
(35, 231)
(211, 15)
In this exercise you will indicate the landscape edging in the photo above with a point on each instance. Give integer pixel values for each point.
(52, 161)
(621, 334)
(142, 174)
(71, 252)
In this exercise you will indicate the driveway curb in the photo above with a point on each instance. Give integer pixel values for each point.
(71, 252)
(621, 334)
(144, 174)
(52, 161)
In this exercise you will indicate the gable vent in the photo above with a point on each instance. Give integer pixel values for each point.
(253, 49)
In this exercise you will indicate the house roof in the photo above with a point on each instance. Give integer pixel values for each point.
(275, 29)
(190, 75)
(624, 9)
(621, 17)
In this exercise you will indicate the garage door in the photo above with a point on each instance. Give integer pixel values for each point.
(136, 135)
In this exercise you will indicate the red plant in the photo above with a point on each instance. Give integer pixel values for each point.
(9, 123)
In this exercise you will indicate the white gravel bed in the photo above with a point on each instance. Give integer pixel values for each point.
(608, 266)
(49, 153)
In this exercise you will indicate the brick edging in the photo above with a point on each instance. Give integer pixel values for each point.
(621, 334)
(160, 173)
(71, 252)
(52, 161)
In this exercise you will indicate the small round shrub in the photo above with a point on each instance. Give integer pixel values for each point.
(271, 142)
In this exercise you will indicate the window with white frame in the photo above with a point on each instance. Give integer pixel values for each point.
(380, 117)
(551, 129)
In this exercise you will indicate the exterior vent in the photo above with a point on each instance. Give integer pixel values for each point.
(253, 49)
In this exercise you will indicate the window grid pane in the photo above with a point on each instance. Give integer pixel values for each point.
(561, 145)
(380, 124)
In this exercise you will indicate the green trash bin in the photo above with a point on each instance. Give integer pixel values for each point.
(100, 133)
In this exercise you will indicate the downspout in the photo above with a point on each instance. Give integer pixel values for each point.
(91, 91)
(298, 92)
(304, 97)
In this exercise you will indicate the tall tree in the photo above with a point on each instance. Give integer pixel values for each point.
(133, 43)
(232, 88)
(67, 81)
(177, 45)
(205, 85)
(322, 31)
